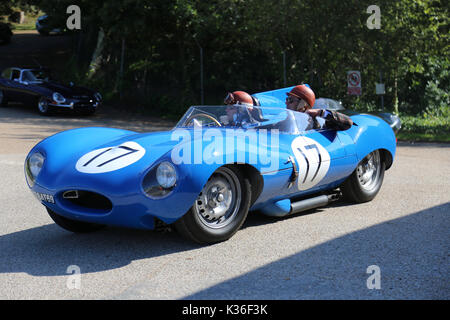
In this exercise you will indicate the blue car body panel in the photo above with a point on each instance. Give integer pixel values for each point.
(324, 159)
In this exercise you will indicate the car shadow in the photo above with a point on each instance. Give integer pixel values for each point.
(48, 250)
(410, 253)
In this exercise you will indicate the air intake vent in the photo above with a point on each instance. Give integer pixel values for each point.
(88, 200)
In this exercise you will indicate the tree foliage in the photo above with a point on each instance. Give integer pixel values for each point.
(243, 44)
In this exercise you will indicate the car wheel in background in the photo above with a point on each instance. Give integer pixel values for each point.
(220, 209)
(43, 107)
(3, 101)
(365, 182)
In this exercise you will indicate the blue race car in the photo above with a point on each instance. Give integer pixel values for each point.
(205, 175)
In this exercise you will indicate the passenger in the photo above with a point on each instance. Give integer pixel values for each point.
(301, 98)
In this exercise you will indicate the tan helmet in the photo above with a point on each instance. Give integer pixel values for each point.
(238, 97)
(303, 92)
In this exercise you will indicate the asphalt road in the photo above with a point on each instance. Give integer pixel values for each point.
(327, 253)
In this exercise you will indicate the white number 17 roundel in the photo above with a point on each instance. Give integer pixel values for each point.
(111, 158)
(313, 162)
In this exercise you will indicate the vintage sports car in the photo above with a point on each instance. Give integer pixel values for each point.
(206, 174)
(326, 103)
(34, 86)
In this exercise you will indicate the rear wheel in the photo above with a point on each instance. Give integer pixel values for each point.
(3, 101)
(365, 182)
(73, 225)
(219, 210)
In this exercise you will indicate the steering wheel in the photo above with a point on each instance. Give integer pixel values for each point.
(192, 117)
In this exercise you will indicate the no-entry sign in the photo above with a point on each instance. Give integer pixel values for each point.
(354, 83)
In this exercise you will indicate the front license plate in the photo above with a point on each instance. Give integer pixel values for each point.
(44, 197)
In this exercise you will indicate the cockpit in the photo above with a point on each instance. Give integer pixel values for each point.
(247, 117)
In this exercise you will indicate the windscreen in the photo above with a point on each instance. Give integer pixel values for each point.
(246, 117)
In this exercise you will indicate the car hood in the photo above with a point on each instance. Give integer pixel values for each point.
(96, 156)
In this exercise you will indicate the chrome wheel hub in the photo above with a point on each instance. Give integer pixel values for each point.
(219, 200)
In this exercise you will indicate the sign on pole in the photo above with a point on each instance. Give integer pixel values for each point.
(354, 83)
(379, 88)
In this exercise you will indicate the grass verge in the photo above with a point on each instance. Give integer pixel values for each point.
(425, 128)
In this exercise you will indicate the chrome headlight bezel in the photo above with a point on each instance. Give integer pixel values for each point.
(33, 166)
(160, 180)
(58, 97)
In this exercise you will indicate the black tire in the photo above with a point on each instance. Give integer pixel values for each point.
(3, 101)
(202, 228)
(6, 40)
(365, 182)
(72, 225)
(42, 107)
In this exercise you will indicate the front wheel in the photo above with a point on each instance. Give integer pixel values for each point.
(365, 182)
(73, 225)
(43, 107)
(219, 210)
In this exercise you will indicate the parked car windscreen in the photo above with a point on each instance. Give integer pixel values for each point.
(36, 75)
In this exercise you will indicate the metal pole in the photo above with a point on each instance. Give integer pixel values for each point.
(121, 67)
(201, 76)
(382, 95)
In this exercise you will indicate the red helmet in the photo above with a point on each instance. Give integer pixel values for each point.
(303, 92)
(238, 97)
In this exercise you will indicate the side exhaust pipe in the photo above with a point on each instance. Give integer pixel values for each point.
(308, 204)
(285, 207)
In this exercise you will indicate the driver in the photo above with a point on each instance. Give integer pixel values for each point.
(301, 98)
(241, 109)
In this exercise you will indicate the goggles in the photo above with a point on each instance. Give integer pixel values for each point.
(229, 99)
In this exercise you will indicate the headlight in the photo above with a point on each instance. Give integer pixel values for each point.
(33, 166)
(160, 180)
(166, 175)
(98, 96)
(58, 97)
